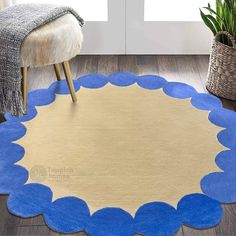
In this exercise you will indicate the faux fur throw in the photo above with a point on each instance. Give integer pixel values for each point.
(16, 22)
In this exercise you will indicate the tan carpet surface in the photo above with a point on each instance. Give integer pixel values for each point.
(120, 147)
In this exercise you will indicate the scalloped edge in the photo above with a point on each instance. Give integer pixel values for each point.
(173, 90)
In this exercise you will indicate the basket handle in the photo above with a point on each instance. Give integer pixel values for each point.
(228, 35)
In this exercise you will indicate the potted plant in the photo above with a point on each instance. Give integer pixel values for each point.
(222, 68)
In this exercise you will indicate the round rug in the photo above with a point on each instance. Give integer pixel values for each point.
(133, 148)
(120, 147)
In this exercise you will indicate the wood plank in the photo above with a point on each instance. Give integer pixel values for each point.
(128, 63)
(227, 104)
(41, 231)
(91, 64)
(35, 231)
(78, 66)
(8, 222)
(147, 64)
(202, 63)
(8, 219)
(35, 221)
(189, 72)
(195, 232)
(77, 234)
(167, 67)
(234, 104)
(228, 224)
(107, 64)
(2, 118)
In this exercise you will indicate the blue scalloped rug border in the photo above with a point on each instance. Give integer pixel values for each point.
(71, 214)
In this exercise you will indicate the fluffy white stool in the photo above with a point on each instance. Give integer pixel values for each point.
(52, 44)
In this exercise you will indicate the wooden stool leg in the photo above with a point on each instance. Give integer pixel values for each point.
(24, 71)
(57, 71)
(66, 68)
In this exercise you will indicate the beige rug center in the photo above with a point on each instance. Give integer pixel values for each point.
(120, 147)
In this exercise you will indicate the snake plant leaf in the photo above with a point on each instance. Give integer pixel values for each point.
(226, 12)
(208, 22)
(229, 3)
(209, 6)
(222, 18)
(212, 11)
(219, 7)
(218, 18)
(214, 21)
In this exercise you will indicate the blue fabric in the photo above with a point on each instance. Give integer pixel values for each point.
(223, 118)
(68, 215)
(151, 82)
(199, 211)
(157, 219)
(122, 78)
(30, 200)
(179, 90)
(10, 153)
(228, 138)
(93, 81)
(226, 160)
(12, 178)
(220, 186)
(31, 113)
(111, 222)
(204, 101)
(61, 87)
(41, 97)
(11, 131)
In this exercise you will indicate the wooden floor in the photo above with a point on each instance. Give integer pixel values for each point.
(189, 69)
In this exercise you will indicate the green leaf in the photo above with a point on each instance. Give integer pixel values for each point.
(211, 10)
(226, 12)
(218, 18)
(223, 18)
(229, 3)
(208, 22)
(209, 6)
(214, 21)
(219, 7)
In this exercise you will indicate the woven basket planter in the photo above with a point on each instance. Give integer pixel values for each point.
(222, 68)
